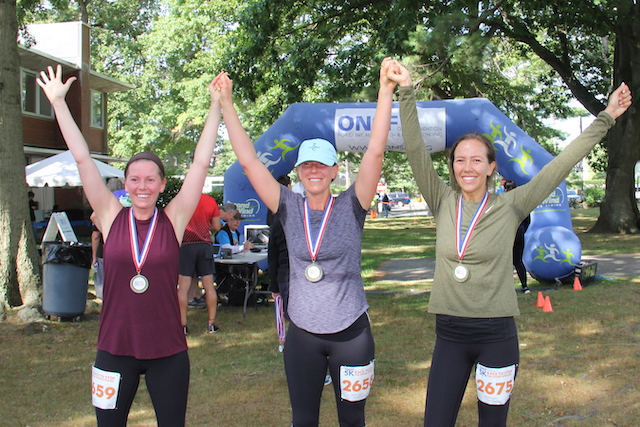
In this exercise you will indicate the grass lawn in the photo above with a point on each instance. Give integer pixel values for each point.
(579, 364)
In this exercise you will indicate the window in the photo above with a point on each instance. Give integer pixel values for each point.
(97, 109)
(33, 98)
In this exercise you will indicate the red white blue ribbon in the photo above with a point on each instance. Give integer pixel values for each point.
(277, 300)
(313, 246)
(140, 257)
(461, 245)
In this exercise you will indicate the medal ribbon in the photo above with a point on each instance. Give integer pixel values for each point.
(461, 246)
(314, 246)
(138, 257)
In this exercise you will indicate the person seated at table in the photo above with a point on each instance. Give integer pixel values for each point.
(229, 237)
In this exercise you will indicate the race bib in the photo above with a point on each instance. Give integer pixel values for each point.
(104, 388)
(355, 382)
(494, 385)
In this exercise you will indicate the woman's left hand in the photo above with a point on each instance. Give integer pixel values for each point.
(619, 101)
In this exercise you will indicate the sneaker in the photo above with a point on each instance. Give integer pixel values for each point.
(526, 290)
(213, 328)
(327, 380)
(199, 302)
(186, 331)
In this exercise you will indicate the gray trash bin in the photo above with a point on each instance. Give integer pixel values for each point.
(65, 278)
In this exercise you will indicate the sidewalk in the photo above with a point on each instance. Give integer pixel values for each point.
(422, 269)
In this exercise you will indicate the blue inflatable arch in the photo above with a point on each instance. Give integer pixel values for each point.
(551, 250)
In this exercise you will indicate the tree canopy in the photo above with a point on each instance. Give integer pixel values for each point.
(528, 58)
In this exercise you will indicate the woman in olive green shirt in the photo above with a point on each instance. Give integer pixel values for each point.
(473, 293)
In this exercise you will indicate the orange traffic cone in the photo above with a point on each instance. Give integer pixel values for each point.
(374, 214)
(415, 219)
(576, 284)
(547, 305)
(540, 302)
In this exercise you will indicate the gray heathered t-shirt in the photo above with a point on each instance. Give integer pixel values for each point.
(336, 301)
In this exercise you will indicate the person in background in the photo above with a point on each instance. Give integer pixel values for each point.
(385, 205)
(33, 206)
(278, 255)
(518, 245)
(115, 185)
(229, 237)
(473, 296)
(96, 258)
(329, 325)
(228, 211)
(140, 329)
(196, 259)
(196, 297)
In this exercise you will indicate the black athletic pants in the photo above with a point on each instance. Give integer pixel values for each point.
(518, 252)
(167, 380)
(451, 367)
(306, 357)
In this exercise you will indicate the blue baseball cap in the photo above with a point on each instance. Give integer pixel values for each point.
(317, 150)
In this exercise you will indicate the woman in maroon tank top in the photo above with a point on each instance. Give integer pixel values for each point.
(140, 328)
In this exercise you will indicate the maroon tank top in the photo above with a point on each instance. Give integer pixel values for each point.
(146, 325)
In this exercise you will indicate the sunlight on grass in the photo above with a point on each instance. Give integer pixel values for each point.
(593, 243)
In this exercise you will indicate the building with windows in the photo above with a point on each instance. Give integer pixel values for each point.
(67, 44)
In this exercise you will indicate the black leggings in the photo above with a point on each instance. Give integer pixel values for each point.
(518, 252)
(449, 374)
(167, 380)
(306, 357)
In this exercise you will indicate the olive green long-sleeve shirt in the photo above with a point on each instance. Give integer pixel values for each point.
(489, 290)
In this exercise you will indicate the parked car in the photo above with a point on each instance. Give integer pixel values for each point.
(398, 199)
(573, 197)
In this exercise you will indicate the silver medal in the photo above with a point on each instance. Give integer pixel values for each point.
(460, 273)
(139, 284)
(313, 272)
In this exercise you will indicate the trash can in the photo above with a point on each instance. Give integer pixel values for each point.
(65, 278)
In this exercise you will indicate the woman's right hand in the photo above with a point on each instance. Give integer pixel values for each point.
(52, 85)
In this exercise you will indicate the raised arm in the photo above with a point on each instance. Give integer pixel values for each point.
(553, 173)
(619, 101)
(371, 165)
(181, 208)
(265, 185)
(425, 175)
(103, 202)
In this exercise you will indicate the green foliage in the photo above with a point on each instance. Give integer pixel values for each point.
(593, 195)
(217, 193)
(597, 158)
(174, 184)
(516, 54)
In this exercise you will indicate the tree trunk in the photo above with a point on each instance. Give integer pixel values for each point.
(619, 210)
(19, 263)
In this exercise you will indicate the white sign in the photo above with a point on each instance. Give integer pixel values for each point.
(59, 222)
(352, 129)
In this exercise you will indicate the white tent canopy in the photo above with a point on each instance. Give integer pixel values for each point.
(61, 170)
